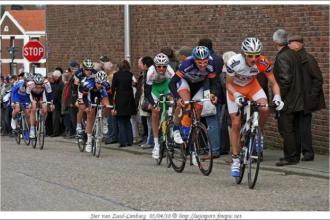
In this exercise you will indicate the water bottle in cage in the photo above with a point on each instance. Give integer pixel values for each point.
(185, 132)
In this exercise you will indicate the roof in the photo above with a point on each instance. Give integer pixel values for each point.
(30, 20)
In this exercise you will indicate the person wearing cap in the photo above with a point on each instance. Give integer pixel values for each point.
(183, 53)
(288, 71)
(313, 95)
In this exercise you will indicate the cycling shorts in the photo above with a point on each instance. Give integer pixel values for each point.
(251, 91)
(160, 88)
(38, 96)
(91, 99)
(195, 89)
(17, 98)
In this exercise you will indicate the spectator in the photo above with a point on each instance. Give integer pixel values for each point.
(313, 95)
(112, 120)
(69, 96)
(57, 95)
(213, 122)
(5, 94)
(174, 63)
(144, 65)
(124, 102)
(184, 52)
(287, 71)
(49, 119)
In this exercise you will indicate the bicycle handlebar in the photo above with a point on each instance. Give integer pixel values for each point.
(195, 101)
(257, 105)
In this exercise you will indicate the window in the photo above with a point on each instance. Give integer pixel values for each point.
(12, 41)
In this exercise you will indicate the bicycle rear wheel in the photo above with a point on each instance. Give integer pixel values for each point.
(41, 132)
(239, 179)
(176, 152)
(81, 142)
(203, 149)
(254, 154)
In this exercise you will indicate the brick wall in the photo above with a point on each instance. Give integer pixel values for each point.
(74, 33)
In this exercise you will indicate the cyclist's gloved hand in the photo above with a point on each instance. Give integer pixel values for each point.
(240, 99)
(277, 101)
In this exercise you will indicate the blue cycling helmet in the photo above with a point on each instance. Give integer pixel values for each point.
(200, 52)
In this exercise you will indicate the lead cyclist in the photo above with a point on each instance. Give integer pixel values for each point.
(242, 85)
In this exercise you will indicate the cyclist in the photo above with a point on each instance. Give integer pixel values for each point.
(195, 74)
(157, 80)
(85, 73)
(39, 90)
(19, 96)
(91, 88)
(242, 85)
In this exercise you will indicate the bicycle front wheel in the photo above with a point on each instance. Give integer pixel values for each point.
(175, 152)
(162, 146)
(26, 133)
(254, 154)
(41, 133)
(203, 149)
(98, 140)
(18, 136)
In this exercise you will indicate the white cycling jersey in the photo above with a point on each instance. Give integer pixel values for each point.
(242, 73)
(154, 77)
(31, 86)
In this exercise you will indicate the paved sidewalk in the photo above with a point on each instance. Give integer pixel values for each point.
(317, 168)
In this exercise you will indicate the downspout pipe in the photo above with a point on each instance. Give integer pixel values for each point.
(127, 34)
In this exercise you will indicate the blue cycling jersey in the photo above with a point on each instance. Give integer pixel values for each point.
(190, 72)
(88, 85)
(18, 93)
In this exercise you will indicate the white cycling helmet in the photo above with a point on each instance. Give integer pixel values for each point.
(38, 79)
(251, 45)
(100, 77)
(28, 76)
(161, 59)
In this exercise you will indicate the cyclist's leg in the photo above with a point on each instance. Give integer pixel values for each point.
(181, 118)
(80, 113)
(44, 105)
(234, 136)
(89, 127)
(105, 115)
(16, 109)
(198, 95)
(261, 98)
(33, 118)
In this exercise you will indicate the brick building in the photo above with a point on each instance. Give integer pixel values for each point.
(17, 28)
(74, 33)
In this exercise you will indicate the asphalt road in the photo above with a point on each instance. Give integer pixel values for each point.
(60, 178)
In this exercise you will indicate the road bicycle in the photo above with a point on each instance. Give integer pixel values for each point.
(251, 141)
(22, 130)
(196, 144)
(40, 131)
(97, 133)
(165, 125)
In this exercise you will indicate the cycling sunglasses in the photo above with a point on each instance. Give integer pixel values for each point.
(252, 55)
(161, 67)
(202, 62)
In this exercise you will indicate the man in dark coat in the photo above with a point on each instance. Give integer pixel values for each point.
(287, 71)
(313, 94)
(57, 89)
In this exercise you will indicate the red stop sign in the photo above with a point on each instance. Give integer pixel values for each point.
(33, 51)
